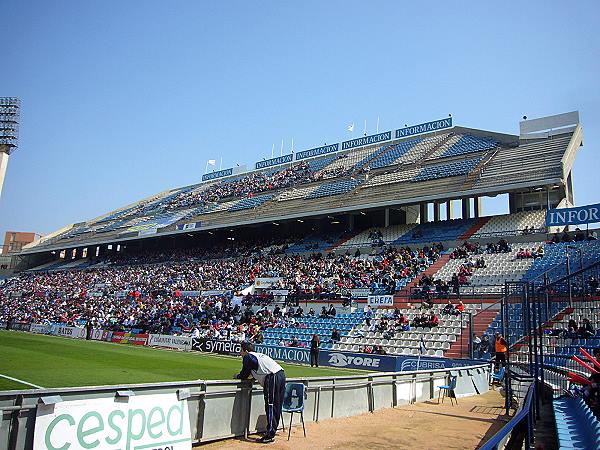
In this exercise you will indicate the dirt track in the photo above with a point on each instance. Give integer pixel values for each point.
(420, 426)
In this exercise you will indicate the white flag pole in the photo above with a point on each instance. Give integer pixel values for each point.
(281, 149)
(292, 145)
(365, 132)
(273, 151)
(221, 165)
(206, 168)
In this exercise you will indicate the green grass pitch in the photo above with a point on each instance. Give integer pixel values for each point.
(50, 361)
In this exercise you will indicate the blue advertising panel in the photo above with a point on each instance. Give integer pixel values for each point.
(217, 174)
(424, 128)
(367, 140)
(573, 216)
(274, 161)
(317, 151)
(364, 361)
(288, 354)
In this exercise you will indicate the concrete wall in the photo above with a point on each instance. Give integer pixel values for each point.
(222, 409)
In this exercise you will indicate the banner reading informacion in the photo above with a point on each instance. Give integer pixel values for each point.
(158, 421)
(367, 140)
(169, 341)
(274, 161)
(573, 216)
(120, 337)
(324, 150)
(380, 300)
(424, 128)
(217, 174)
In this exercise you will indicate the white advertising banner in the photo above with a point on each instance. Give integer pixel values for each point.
(380, 300)
(168, 341)
(39, 328)
(101, 335)
(144, 422)
(72, 332)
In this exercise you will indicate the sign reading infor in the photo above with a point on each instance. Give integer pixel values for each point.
(144, 422)
(573, 216)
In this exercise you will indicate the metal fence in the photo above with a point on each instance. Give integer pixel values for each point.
(223, 409)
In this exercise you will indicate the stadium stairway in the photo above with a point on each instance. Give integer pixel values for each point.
(344, 239)
(437, 147)
(402, 297)
(474, 229)
(481, 322)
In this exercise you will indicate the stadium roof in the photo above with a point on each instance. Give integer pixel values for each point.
(443, 165)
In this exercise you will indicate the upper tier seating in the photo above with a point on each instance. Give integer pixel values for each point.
(394, 153)
(333, 188)
(251, 202)
(463, 145)
(452, 169)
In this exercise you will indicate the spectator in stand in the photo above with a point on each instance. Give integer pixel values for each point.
(294, 342)
(434, 321)
(455, 285)
(572, 330)
(460, 308)
(335, 335)
(449, 308)
(368, 349)
(476, 346)
(579, 235)
(314, 351)
(586, 330)
(501, 350)
(593, 283)
(331, 311)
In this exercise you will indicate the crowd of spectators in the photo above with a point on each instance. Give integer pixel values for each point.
(156, 296)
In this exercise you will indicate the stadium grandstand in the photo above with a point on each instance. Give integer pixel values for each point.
(356, 247)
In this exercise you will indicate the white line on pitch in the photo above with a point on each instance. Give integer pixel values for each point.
(21, 381)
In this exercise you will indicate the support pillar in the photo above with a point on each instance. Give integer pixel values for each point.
(436, 211)
(466, 210)
(449, 210)
(477, 207)
(350, 222)
(386, 218)
(423, 213)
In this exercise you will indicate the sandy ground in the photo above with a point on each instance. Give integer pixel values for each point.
(419, 426)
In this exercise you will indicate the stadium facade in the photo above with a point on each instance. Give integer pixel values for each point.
(407, 176)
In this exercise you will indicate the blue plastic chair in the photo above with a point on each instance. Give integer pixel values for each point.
(293, 402)
(498, 376)
(448, 390)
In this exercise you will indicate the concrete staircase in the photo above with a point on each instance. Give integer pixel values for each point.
(402, 298)
(481, 322)
(344, 240)
(474, 229)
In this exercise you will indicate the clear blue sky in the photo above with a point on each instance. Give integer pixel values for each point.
(124, 99)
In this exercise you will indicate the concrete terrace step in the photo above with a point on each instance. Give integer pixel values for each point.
(404, 294)
(474, 229)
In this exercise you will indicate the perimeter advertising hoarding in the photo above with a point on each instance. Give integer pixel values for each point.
(364, 361)
(216, 346)
(158, 421)
(120, 337)
(367, 140)
(169, 341)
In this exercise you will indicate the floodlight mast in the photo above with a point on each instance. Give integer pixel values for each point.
(9, 132)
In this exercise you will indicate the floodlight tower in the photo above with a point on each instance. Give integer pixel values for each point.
(9, 132)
